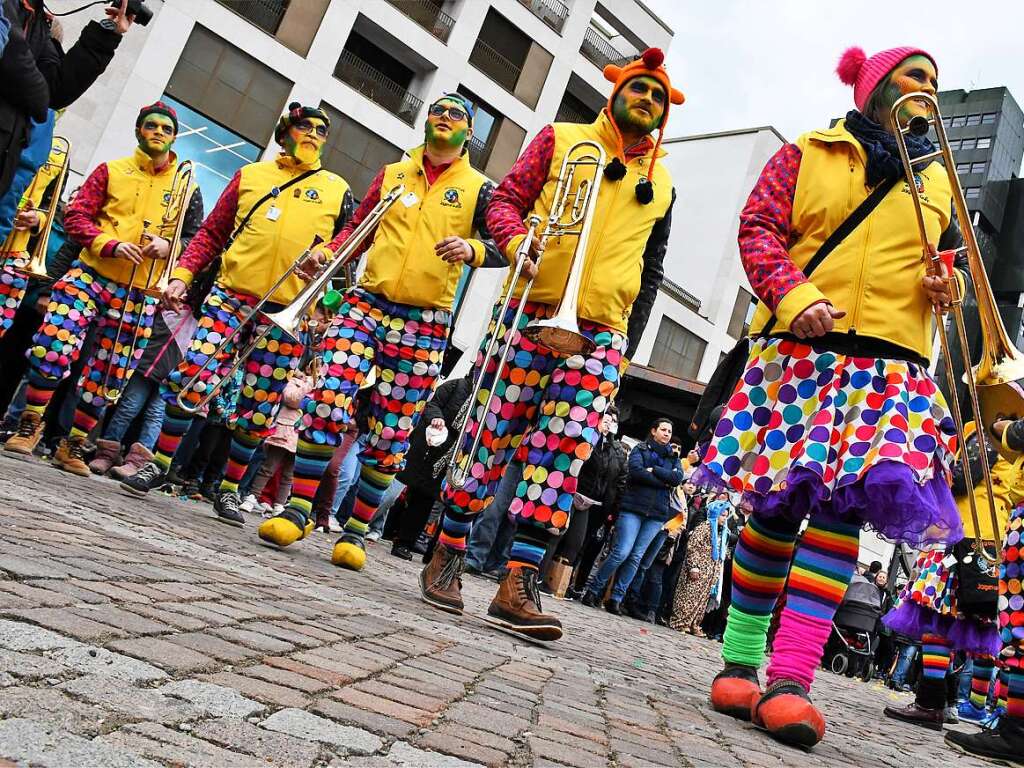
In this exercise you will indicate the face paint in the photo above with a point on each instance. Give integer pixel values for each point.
(639, 105)
(155, 134)
(302, 144)
(912, 75)
(445, 133)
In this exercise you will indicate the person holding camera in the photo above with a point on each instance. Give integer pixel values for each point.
(37, 75)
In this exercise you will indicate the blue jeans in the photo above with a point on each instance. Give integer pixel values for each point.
(142, 395)
(348, 475)
(907, 655)
(380, 517)
(645, 592)
(490, 540)
(633, 535)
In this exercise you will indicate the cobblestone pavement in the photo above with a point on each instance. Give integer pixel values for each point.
(144, 632)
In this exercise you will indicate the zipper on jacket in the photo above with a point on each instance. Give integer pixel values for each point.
(588, 267)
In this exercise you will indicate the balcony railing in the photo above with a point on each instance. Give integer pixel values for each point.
(551, 12)
(600, 51)
(570, 113)
(428, 15)
(265, 14)
(377, 87)
(494, 65)
(477, 153)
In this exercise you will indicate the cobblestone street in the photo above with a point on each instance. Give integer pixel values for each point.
(144, 632)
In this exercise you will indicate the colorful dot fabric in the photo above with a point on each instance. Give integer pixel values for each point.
(836, 415)
(79, 300)
(931, 587)
(545, 415)
(264, 373)
(12, 291)
(1011, 592)
(407, 346)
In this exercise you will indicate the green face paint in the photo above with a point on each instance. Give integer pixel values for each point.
(452, 137)
(639, 105)
(155, 135)
(304, 147)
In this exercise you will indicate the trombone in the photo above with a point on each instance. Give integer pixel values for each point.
(173, 219)
(572, 214)
(35, 266)
(290, 318)
(991, 385)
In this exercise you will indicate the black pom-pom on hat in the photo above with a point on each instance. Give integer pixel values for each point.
(644, 191)
(615, 170)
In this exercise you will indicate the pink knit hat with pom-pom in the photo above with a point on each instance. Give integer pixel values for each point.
(864, 73)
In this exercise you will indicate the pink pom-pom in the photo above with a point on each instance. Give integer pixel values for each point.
(653, 58)
(850, 62)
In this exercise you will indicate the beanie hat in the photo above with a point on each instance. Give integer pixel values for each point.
(295, 113)
(466, 103)
(864, 73)
(158, 108)
(650, 64)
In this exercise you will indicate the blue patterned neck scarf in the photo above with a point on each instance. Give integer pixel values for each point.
(880, 145)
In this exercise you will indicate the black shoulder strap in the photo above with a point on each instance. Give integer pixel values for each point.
(271, 194)
(842, 232)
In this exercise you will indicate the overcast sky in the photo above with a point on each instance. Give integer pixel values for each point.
(743, 63)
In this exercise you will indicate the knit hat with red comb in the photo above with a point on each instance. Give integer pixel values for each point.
(650, 64)
(864, 74)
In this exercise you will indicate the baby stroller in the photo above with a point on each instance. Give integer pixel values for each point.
(853, 642)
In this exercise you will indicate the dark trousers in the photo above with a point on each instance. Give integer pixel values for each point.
(211, 454)
(418, 503)
(13, 346)
(597, 533)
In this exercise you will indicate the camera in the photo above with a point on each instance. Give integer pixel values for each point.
(143, 15)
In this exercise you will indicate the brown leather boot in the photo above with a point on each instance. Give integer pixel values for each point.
(70, 456)
(517, 607)
(28, 435)
(108, 453)
(441, 580)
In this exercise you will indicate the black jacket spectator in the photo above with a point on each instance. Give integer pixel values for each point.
(603, 476)
(421, 458)
(36, 74)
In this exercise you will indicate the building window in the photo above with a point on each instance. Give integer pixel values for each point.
(385, 81)
(988, 118)
(959, 121)
(355, 153)
(972, 193)
(218, 80)
(974, 120)
(742, 312)
(510, 58)
(677, 351)
(496, 139)
(978, 167)
(294, 24)
(954, 144)
(963, 167)
(946, 122)
(984, 142)
(967, 144)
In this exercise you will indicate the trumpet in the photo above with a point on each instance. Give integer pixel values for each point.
(993, 385)
(35, 266)
(292, 317)
(572, 214)
(172, 219)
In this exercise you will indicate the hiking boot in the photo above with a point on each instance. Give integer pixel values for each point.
(786, 712)
(735, 690)
(1005, 742)
(27, 435)
(137, 457)
(591, 600)
(149, 478)
(108, 453)
(517, 607)
(613, 607)
(70, 456)
(916, 714)
(226, 507)
(441, 580)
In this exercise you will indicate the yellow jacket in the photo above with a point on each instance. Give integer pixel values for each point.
(17, 241)
(401, 264)
(875, 274)
(128, 194)
(276, 234)
(1007, 490)
(614, 260)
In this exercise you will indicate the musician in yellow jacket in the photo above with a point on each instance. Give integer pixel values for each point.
(547, 407)
(396, 319)
(107, 218)
(264, 220)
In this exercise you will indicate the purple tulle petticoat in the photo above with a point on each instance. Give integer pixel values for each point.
(963, 632)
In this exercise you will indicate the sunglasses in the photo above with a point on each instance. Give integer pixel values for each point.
(439, 110)
(305, 128)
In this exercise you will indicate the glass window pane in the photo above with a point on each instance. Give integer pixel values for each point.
(959, 121)
(677, 351)
(984, 143)
(967, 144)
(974, 119)
(963, 167)
(988, 118)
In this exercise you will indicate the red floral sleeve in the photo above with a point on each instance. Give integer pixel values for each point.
(82, 214)
(212, 237)
(765, 229)
(520, 188)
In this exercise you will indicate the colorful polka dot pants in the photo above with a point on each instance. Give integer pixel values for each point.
(12, 291)
(79, 299)
(545, 414)
(407, 345)
(1011, 613)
